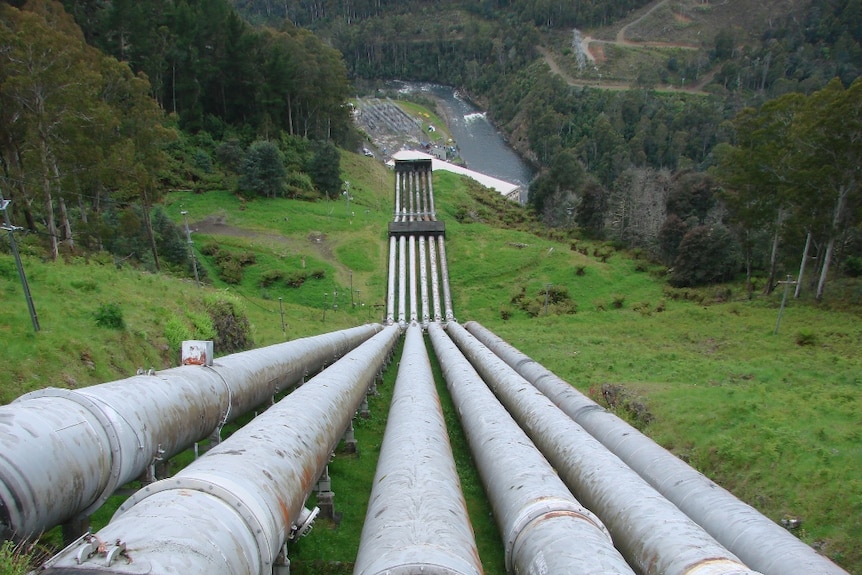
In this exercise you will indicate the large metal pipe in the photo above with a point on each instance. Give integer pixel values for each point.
(64, 452)
(402, 280)
(753, 537)
(430, 179)
(544, 528)
(397, 215)
(435, 285)
(414, 312)
(390, 290)
(655, 536)
(444, 272)
(230, 511)
(423, 281)
(417, 518)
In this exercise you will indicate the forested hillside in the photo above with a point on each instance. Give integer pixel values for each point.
(108, 107)
(638, 165)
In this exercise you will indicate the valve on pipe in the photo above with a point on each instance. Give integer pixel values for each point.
(231, 511)
(754, 538)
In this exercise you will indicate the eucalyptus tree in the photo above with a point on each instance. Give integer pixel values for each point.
(81, 125)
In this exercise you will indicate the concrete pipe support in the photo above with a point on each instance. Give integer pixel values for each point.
(655, 536)
(753, 537)
(64, 452)
(544, 529)
(417, 518)
(230, 511)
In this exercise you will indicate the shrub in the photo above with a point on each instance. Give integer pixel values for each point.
(176, 332)
(296, 278)
(232, 329)
(270, 277)
(210, 248)
(644, 308)
(580, 270)
(230, 271)
(853, 266)
(85, 285)
(317, 274)
(110, 315)
(804, 338)
(14, 559)
(505, 313)
(617, 301)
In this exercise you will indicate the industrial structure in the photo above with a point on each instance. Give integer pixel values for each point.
(574, 490)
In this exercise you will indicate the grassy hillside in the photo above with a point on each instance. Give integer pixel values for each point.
(774, 418)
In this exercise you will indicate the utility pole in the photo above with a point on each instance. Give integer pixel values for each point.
(4, 204)
(787, 285)
(346, 193)
(191, 247)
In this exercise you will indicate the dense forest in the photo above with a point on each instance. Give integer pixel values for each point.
(106, 106)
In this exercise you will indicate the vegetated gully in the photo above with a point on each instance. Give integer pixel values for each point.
(567, 498)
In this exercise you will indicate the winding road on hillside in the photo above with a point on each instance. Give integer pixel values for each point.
(620, 39)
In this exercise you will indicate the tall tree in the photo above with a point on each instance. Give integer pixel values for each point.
(829, 135)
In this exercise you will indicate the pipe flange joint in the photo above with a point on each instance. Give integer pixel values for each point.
(255, 527)
(542, 508)
(111, 432)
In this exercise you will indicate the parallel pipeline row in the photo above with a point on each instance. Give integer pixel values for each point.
(573, 488)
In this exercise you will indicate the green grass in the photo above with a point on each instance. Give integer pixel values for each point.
(773, 418)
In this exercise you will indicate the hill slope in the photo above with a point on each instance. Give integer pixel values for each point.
(771, 417)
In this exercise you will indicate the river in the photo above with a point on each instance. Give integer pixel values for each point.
(481, 145)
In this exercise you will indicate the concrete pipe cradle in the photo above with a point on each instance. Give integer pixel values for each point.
(231, 510)
(653, 535)
(544, 529)
(417, 517)
(758, 541)
(64, 452)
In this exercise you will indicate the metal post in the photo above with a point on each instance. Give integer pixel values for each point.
(787, 285)
(351, 289)
(547, 287)
(324, 306)
(281, 309)
(11, 229)
(346, 194)
(191, 247)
